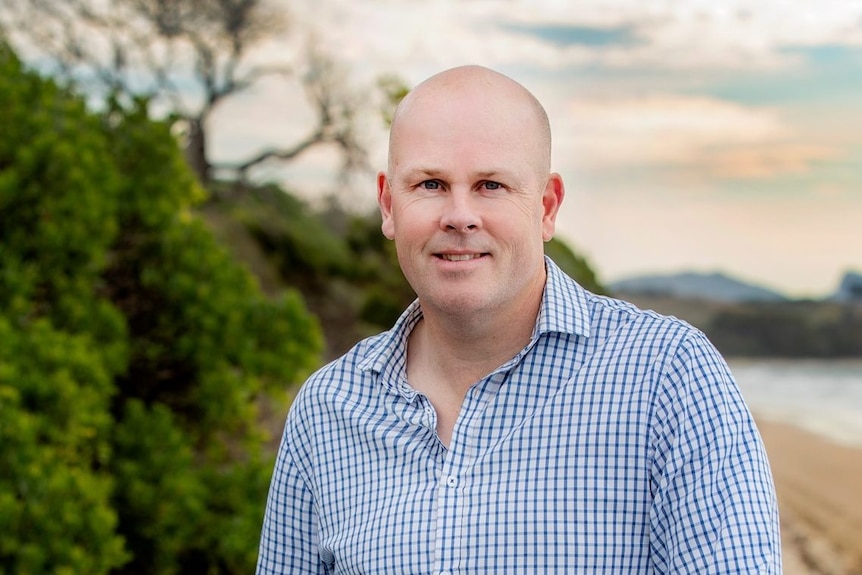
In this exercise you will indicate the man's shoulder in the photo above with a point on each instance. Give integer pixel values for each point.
(619, 328)
(569, 307)
(641, 322)
(605, 312)
(350, 367)
(607, 304)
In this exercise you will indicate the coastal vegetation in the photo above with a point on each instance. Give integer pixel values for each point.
(139, 357)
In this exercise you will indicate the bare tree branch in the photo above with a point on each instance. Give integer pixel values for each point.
(284, 154)
(335, 111)
(186, 55)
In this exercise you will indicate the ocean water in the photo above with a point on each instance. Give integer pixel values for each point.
(823, 396)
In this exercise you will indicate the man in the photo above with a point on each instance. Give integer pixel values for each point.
(510, 421)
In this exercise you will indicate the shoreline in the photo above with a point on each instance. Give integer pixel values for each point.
(819, 486)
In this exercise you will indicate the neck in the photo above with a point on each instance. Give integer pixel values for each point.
(463, 350)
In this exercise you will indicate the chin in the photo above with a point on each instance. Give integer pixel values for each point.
(458, 304)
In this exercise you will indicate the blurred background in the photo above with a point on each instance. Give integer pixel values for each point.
(188, 228)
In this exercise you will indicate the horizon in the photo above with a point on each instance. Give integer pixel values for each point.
(737, 279)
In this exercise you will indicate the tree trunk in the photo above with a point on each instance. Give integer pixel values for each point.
(196, 151)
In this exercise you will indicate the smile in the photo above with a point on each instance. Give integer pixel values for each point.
(460, 257)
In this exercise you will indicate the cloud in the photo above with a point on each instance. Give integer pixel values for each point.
(766, 160)
(567, 35)
(554, 34)
(709, 137)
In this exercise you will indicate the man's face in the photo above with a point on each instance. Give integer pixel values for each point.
(468, 201)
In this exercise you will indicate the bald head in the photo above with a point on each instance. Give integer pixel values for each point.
(485, 91)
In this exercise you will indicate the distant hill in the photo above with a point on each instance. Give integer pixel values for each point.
(716, 287)
(745, 320)
(850, 289)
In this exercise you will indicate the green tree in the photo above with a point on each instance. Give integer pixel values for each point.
(137, 352)
(574, 265)
(62, 344)
(55, 511)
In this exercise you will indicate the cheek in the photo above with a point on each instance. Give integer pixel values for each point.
(520, 217)
(408, 231)
(414, 218)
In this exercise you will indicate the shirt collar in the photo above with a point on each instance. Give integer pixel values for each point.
(564, 309)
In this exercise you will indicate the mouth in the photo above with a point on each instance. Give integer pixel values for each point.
(460, 257)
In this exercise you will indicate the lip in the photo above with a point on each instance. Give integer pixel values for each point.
(459, 261)
(459, 256)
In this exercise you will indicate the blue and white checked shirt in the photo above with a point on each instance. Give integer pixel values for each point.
(615, 442)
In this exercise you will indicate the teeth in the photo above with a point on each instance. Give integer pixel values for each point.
(460, 257)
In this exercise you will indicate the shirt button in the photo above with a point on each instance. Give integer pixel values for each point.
(451, 481)
(445, 573)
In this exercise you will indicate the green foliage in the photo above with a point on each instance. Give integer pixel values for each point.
(58, 199)
(298, 242)
(136, 350)
(574, 265)
(205, 345)
(55, 512)
(61, 343)
(160, 495)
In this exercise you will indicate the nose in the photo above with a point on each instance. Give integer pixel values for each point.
(460, 212)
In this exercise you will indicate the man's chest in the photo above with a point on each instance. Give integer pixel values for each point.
(559, 483)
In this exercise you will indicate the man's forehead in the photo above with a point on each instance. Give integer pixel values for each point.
(445, 172)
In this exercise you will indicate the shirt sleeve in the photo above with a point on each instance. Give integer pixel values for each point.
(288, 543)
(714, 504)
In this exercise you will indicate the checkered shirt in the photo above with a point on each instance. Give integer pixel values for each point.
(616, 441)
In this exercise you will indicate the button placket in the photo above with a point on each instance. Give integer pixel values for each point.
(453, 485)
(450, 507)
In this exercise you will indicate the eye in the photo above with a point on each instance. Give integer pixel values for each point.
(430, 185)
(492, 185)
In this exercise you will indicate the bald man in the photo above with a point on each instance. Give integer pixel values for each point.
(511, 421)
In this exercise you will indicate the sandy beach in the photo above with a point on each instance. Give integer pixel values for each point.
(819, 486)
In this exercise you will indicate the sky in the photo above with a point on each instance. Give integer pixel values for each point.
(691, 135)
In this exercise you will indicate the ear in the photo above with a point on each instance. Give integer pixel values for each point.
(384, 201)
(552, 197)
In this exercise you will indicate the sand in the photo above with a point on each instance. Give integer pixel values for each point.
(819, 485)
